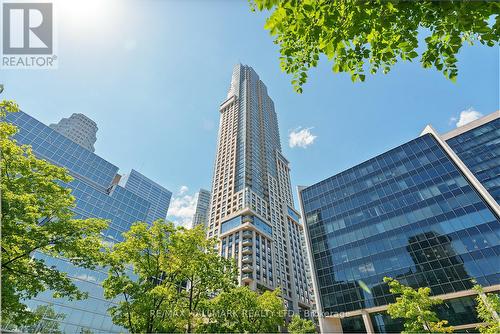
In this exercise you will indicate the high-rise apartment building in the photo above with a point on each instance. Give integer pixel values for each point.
(99, 192)
(252, 210)
(202, 205)
(79, 128)
(423, 213)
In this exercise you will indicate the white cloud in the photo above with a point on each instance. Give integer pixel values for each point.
(301, 138)
(466, 116)
(182, 208)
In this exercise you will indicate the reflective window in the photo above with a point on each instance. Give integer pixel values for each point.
(260, 224)
(293, 215)
(479, 149)
(353, 325)
(383, 323)
(230, 224)
(409, 214)
(96, 196)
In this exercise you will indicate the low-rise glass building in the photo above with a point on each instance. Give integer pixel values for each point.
(415, 213)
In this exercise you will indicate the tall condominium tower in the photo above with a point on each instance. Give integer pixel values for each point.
(79, 128)
(425, 213)
(252, 210)
(202, 206)
(99, 192)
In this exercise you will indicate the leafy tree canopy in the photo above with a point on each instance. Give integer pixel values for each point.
(371, 35)
(415, 308)
(488, 310)
(241, 310)
(161, 275)
(301, 326)
(37, 216)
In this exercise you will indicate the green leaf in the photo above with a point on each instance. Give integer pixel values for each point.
(358, 34)
(336, 67)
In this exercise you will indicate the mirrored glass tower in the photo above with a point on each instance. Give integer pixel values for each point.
(424, 213)
(202, 206)
(100, 192)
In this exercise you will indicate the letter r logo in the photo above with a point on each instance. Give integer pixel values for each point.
(27, 28)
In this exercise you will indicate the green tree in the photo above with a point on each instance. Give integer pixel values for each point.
(241, 310)
(301, 326)
(415, 308)
(488, 310)
(163, 274)
(37, 216)
(271, 310)
(200, 266)
(372, 35)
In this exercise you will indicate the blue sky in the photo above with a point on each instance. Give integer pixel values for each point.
(153, 73)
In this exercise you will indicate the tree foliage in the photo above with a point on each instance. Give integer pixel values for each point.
(241, 310)
(203, 270)
(488, 310)
(162, 274)
(301, 326)
(372, 35)
(415, 308)
(37, 216)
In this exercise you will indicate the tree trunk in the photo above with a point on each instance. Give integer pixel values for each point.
(189, 329)
(483, 297)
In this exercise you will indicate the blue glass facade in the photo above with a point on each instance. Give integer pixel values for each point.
(292, 214)
(479, 149)
(237, 221)
(457, 311)
(263, 226)
(97, 195)
(409, 214)
(156, 195)
(230, 224)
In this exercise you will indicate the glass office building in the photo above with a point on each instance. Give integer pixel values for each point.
(156, 195)
(415, 213)
(478, 146)
(202, 205)
(99, 193)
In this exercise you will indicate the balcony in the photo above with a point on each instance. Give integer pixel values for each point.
(247, 250)
(247, 242)
(247, 277)
(247, 259)
(247, 268)
(247, 233)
